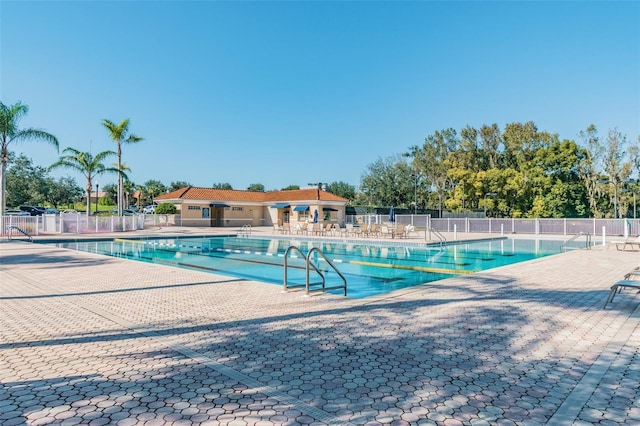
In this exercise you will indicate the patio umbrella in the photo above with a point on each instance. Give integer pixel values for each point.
(315, 216)
(392, 215)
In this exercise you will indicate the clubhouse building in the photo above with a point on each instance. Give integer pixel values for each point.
(234, 208)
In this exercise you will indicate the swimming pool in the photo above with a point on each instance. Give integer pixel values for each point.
(370, 268)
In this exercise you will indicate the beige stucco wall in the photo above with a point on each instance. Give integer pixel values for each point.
(254, 214)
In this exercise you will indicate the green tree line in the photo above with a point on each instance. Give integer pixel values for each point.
(517, 171)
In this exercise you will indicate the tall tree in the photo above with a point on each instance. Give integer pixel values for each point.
(256, 187)
(26, 182)
(10, 117)
(120, 135)
(388, 182)
(63, 191)
(221, 185)
(342, 189)
(152, 188)
(614, 167)
(174, 186)
(588, 169)
(87, 164)
(432, 160)
(290, 187)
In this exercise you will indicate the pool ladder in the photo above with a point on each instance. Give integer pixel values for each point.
(10, 230)
(245, 230)
(317, 287)
(437, 233)
(575, 237)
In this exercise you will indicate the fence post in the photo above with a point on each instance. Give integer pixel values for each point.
(502, 229)
(565, 225)
(455, 232)
(604, 233)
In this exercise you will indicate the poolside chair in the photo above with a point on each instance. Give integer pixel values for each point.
(362, 230)
(309, 230)
(622, 245)
(374, 231)
(349, 229)
(327, 229)
(285, 229)
(386, 231)
(633, 244)
(619, 286)
(633, 274)
(409, 229)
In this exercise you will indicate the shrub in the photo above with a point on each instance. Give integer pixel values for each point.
(166, 208)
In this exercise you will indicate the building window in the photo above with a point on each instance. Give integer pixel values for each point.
(237, 209)
(302, 216)
(193, 208)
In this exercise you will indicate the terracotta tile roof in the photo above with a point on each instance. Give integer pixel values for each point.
(205, 194)
(302, 195)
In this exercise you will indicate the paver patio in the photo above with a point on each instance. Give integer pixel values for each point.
(88, 339)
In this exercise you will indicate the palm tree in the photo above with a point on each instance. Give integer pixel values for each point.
(9, 132)
(86, 164)
(127, 185)
(120, 134)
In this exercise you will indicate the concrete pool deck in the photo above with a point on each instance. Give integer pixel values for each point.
(88, 339)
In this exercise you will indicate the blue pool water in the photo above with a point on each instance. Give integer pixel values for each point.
(370, 268)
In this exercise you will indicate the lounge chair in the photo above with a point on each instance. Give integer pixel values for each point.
(362, 230)
(310, 228)
(619, 286)
(349, 229)
(387, 231)
(300, 227)
(409, 229)
(630, 242)
(634, 274)
(633, 244)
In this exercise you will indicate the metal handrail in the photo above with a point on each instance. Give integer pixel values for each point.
(442, 238)
(245, 230)
(22, 231)
(308, 265)
(330, 263)
(575, 237)
(286, 267)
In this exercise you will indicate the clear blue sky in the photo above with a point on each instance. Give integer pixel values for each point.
(294, 92)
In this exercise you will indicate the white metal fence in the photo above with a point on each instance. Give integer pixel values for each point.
(70, 224)
(565, 226)
(81, 224)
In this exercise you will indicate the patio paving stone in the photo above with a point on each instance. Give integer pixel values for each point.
(92, 340)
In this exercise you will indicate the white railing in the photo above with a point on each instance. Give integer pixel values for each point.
(71, 224)
(563, 226)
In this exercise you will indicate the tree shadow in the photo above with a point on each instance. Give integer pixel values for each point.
(487, 351)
